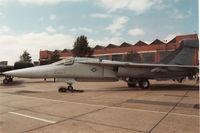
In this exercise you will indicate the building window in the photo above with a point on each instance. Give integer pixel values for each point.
(148, 57)
(132, 56)
(164, 54)
(104, 57)
(117, 57)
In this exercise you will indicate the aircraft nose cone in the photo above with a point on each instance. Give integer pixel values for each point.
(6, 73)
(10, 73)
(17, 73)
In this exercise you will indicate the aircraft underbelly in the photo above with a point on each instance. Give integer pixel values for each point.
(96, 79)
(146, 73)
(172, 74)
(133, 72)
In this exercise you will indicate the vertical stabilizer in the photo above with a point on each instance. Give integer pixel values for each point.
(184, 55)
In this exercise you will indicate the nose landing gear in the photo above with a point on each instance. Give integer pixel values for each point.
(7, 80)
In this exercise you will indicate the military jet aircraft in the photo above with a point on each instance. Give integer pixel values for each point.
(178, 65)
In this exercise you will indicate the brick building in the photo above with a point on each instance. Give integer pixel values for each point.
(147, 53)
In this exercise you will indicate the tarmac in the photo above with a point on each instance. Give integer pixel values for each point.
(36, 106)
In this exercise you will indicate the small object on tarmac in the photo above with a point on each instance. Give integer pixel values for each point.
(62, 89)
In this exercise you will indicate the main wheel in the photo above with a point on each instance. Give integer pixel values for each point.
(144, 84)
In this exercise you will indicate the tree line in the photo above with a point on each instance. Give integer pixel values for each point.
(81, 48)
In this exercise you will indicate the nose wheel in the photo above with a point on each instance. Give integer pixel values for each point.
(7, 80)
(70, 88)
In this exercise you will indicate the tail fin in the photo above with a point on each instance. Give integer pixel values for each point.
(184, 55)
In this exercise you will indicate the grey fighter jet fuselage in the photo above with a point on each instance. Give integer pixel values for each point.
(96, 70)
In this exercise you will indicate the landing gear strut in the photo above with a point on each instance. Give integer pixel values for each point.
(68, 89)
(7, 80)
(132, 82)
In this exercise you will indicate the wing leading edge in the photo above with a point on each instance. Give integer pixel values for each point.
(130, 64)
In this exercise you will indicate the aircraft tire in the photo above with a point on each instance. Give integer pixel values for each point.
(60, 90)
(70, 88)
(144, 84)
(5, 81)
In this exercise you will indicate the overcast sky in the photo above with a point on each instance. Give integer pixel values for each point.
(35, 25)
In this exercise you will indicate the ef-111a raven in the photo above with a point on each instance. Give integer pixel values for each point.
(177, 65)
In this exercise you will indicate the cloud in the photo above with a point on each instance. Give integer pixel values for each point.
(88, 30)
(136, 32)
(1, 14)
(177, 15)
(139, 6)
(74, 30)
(176, 1)
(171, 36)
(50, 29)
(42, 2)
(4, 29)
(81, 29)
(100, 15)
(118, 23)
(52, 17)
(61, 27)
(3, 2)
(41, 19)
(33, 43)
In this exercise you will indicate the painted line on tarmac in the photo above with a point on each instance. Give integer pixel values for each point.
(32, 117)
(184, 115)
(122, 108)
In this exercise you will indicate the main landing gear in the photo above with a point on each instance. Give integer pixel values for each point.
(68, 89)
(8, 80)
(143, 83)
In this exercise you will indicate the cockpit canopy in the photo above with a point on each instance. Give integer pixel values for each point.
(67, 61)
(71, 60)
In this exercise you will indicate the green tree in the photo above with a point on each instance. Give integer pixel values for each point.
(25, 57)
(132, 56)
(81, 47)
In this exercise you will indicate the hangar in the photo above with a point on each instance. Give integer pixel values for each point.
(146, 53)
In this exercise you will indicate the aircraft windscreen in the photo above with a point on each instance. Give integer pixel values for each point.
(67, 61)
